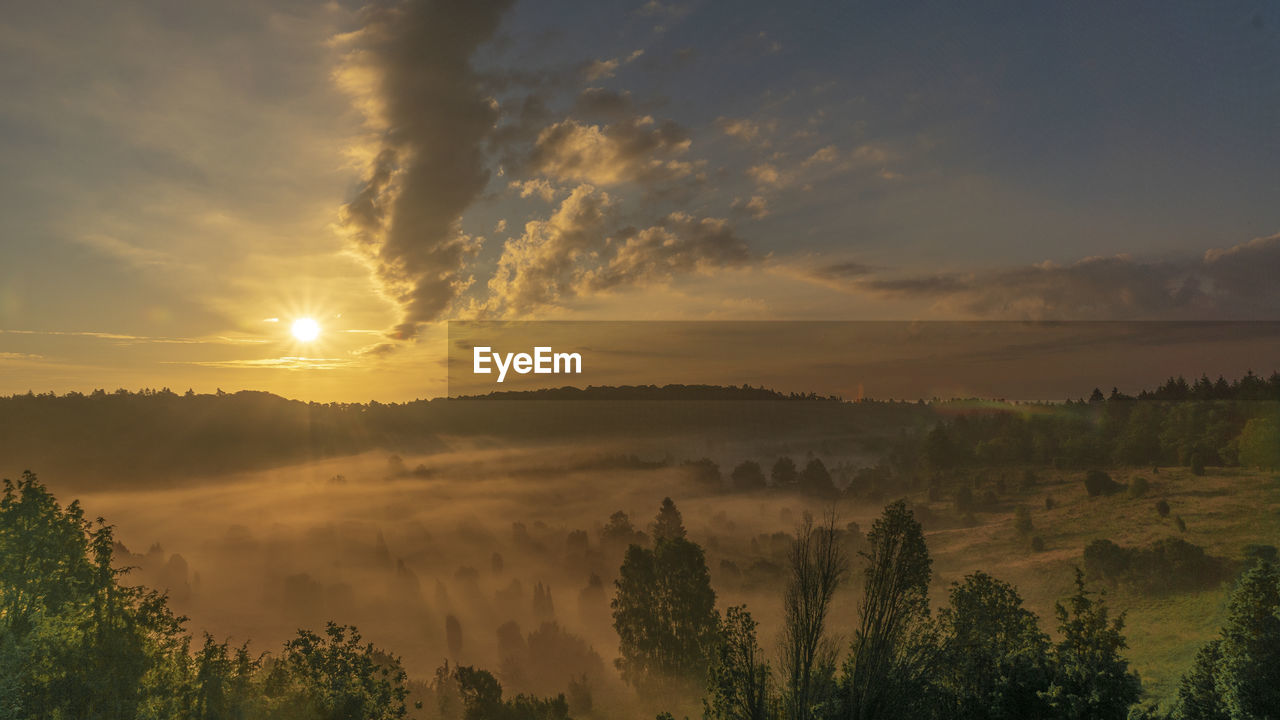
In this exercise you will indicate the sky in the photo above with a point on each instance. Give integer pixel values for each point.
(180, 182)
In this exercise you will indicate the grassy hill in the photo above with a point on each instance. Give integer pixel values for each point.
(1224, 511)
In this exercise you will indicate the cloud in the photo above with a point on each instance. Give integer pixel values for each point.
(409, 68)
(605, 69)
(535, 186)
(756, 207)
(612, 105)
(1236, 283)
(540, 267)
(637, 150)
(679, 243)
(280, 363)
(740, 128)
(572, 253)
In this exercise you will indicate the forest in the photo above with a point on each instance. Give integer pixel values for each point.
(1113, 557)
(76, 640)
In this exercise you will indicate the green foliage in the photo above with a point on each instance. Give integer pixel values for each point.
(664, 613)
(1198, 695)
(1259, 443)
(886, 674)
(73, 642)
(1091, 679)
(818, 566)
(1248, 672)
(740, 683)
(335, 677)
(468, 693)
(994, 661)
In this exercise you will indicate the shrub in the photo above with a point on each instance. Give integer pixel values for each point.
(1162, 507)
(1255, 553)
(1182, 526)
(1037, 544)
(1098, 483)
(1022, 520)
(1049, 502)
(1029, 479)
(1197, 464)
(1166, 565)
(1138, 487)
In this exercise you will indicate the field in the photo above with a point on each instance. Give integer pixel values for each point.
(1224, 510)
(479, 533)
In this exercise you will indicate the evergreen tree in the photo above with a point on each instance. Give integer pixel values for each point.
(664, 610)
(1092, 680)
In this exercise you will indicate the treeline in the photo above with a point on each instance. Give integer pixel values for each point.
(142, 437)
(76, 641)
(1195, 425)
(981, 657)
(667, 393)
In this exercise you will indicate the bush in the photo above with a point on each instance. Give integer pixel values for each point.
(1022, 520)
(1049, 502)
(1182, 526)
(1138, 487)
(1166, 565)
(1037, 544)
(1098, 483)
(1162, 507)
(1197, 464)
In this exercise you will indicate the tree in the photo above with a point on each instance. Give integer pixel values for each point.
(885, 675)
(669, 525)
(664, 613)
(1260, 443)
(740, 686)
(784, 473)
(1091, 680)
(1198, 695)
(748, 476)
(818, 567)
(335, 677)
(1098, 483)
(1197, 463)
(816, 480)
(994, 660)
(1248, 670)
(73, 641)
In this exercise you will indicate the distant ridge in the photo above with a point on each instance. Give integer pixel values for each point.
(666, 393)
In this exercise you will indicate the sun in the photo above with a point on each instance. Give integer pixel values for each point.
(305, 329)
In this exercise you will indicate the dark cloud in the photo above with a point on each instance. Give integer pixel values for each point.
(841, 271)
(610, 105)
(410, 63)
(1235, 283)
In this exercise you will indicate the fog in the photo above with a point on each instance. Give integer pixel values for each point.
(434, 557)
